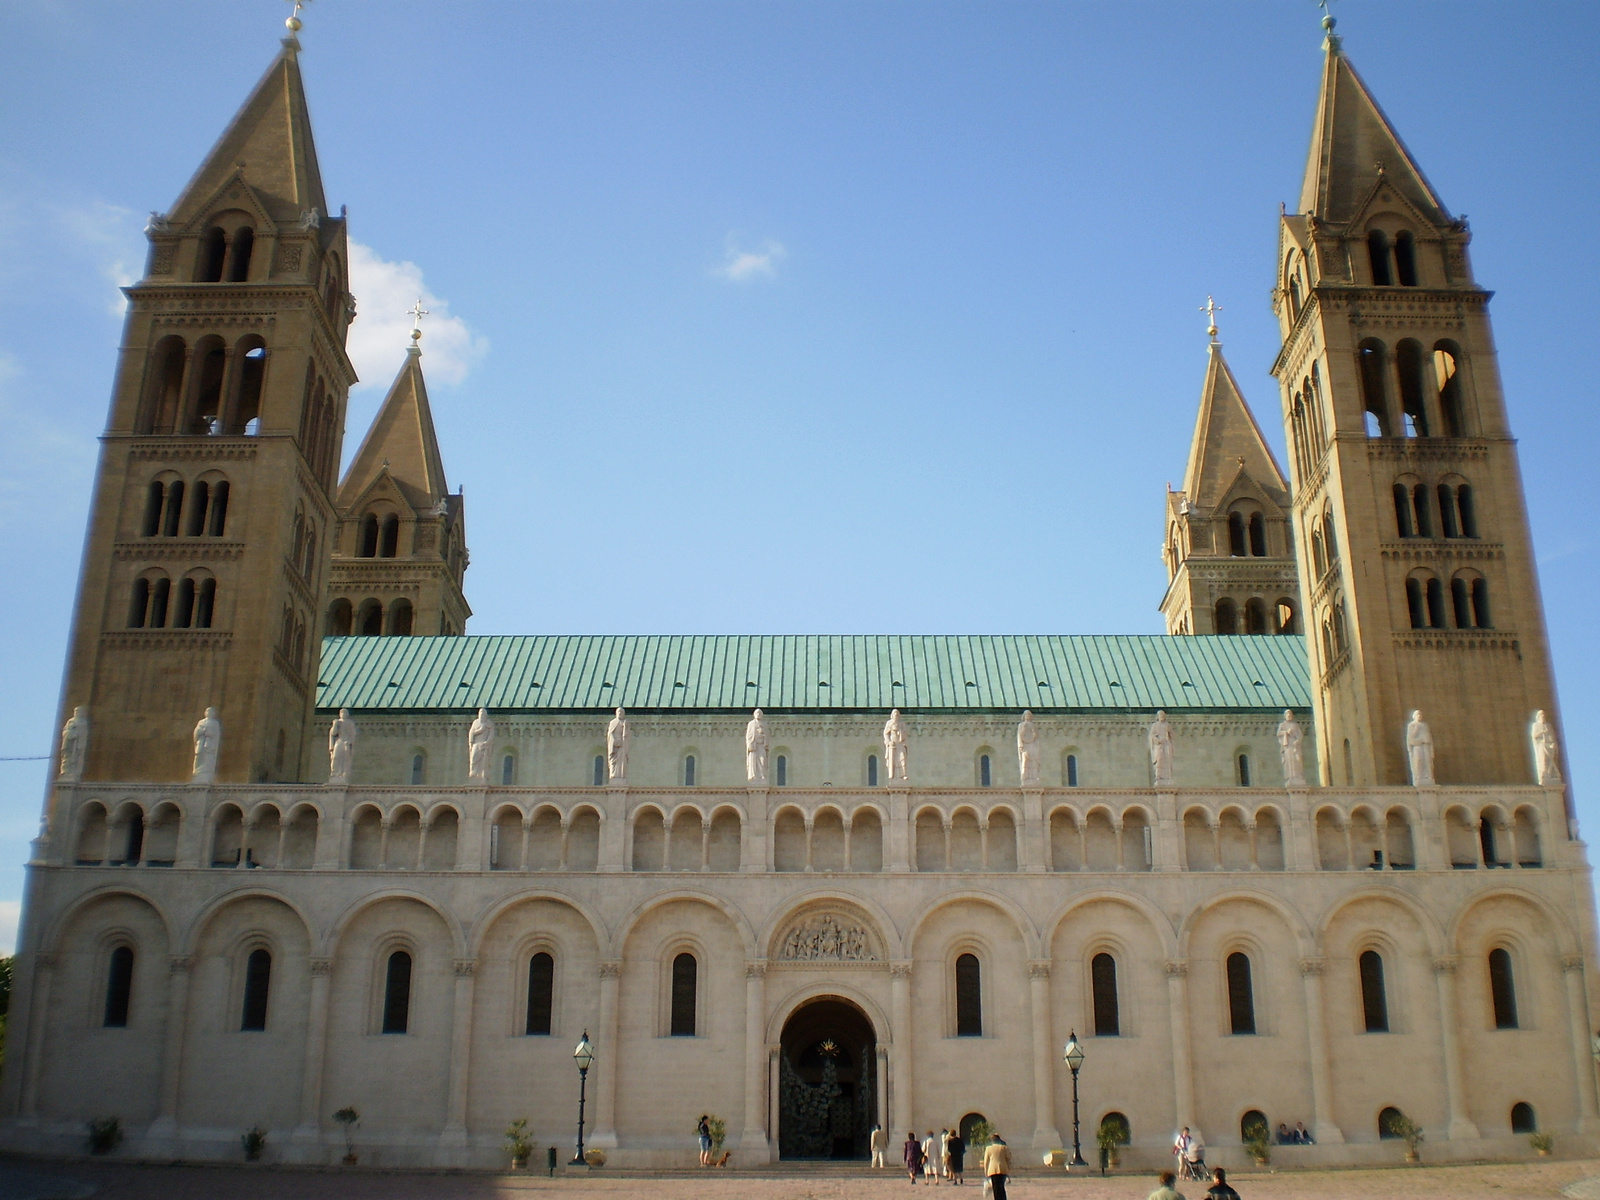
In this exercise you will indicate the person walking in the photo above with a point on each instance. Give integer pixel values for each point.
(880, 1145)
(913, 1156)
(957, 1147)
(930, 1157)
(944, 1154)
(1165, 1189)
(1219, 1189)
(704, 1130)
(997, 1166)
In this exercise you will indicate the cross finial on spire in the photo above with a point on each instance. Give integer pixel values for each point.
(416, 312)
(293, 22)
(1211, 308)
(1332, 41)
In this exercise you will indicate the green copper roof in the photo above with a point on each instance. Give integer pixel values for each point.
(832, 673)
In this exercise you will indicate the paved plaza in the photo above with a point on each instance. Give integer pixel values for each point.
(33, 1180)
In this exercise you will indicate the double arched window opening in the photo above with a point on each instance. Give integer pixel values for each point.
(1425, 399)
(1466, 608)
(207, 389)
(378, 538)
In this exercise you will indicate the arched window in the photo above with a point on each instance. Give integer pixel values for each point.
(1424, 511)
(1378, 258)
(872, 770)
(1103, 981)
(195, 526)
(257, 985)
(1502, 989)
(1374, 396)
(1072, 770)
(1258, 536)
(1445, 367)
(1241, 995)
(1414, 605)
(1436, 614)
(213, 253)
(219, 508)
(1249, 1123)
(400, 617)
(139, 604)
(1402, 511)
(160, 593)
(419, 764)
(1405, 258)
(119, 987)
(244, 240)
(1448, 526)
(1319, 556)
(183, 613)
(174, 510)
(1461, 601)
(1243, 763)
(1226, 616)
(154, 500)
(541, 993)
(599, 770)
(688, 770)
(1374, 997)
(206, 415)
(508, 770)
(782, 771)
(985, 773)
(969, 997)
(1480, 604)
(1333, 542)
(389, 545)
(1255, 616)
(1284, 611)
(397, 993)
(1469, 516)
(160, 411)
(367, 543)
(340, 618)
(1523, 1119)
(1117, 1125)
(1236, 536)
(1386, 1123)
(369, 621)
(685, 985)
(205, 603)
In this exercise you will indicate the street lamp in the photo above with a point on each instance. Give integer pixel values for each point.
(583, 1056)
(1072, 1054)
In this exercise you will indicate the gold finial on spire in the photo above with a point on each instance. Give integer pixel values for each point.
(1211, 308)
(294, 23)
(416, 312)
(1332, 42)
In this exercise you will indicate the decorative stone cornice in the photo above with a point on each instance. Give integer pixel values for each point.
(180, 964)
(1571, 963)
(214, 640)
(169, 549)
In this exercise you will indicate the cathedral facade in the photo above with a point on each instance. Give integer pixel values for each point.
(311, 847)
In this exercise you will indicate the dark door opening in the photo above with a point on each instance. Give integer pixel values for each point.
(827, 1082)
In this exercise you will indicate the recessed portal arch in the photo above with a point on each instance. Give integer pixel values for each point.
(828, 1085)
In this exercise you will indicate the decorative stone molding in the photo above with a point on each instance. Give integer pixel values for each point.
(1177, 968)
(321, 966)
(1039, 969)
(1571, 963)
(824, 937)
(755, 970)
(900, 970)
(180, 964)
(465, 967)
(611, 969)
(1311, 967)
(1444, 966)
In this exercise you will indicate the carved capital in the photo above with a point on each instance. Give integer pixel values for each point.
(611, 969)
(321, 966)
(180, 964)
(1312, 967)
(1571, 962)
(755, 970)
(1177, 968)
(1444, 966)
(465, 967)
(900, 970)
(1039, 969)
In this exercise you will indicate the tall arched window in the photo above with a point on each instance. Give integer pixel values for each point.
(1255, 615)
(1436, 612)
(1374, 996)
(783, 770)
(183, 613)
(1072, 770)
(541, 993)
(508, 770)
(205, 603)
(688, 770)
(154, 501)
(367, 541)
(1423, 510)
(969, 996)
(1415, 607)
(1226, 616)
(685, 986)
(1446, 363)
(340, 618)
(195, 526)
(400, 618)
(389, 543)
(1408, 365)
(599, 770)
(419, 766)
(171, 516)
(369, 621)
(1236, 536)
(397, 993)
(244, 240)
(219, 508)
(1469, 515)
(139, 604)
(1405, 258)
(213, 253)
(1103, 981)
(1502, 989)
(872, 770)
(1243, 763)
(1374, 394)
(1258, 535)
(1378, 258)
(985, 771)
(1480, 604)
(1241, 995)
(119, 987)
(1402, 511)
(1448, 525)
(1461, 601)
(257, 985)
(160, 594)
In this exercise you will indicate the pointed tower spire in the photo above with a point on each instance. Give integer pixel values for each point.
(1227, 439)
(402, 442)
(269, 145)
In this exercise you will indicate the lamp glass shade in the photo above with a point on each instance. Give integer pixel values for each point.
(1072, 1053)
(584, 1054)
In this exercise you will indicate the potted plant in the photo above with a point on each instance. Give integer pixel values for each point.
(1397, 1124)
(105, 1135)
(520, 1142)
(1258, 1142)
(594, 1157)
(255, 1140)
(1543, 1143)
(349, 1117)
(1110, 1137)
(982, 1134)
(719, 1134)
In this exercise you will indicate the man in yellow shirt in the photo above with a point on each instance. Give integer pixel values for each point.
(997, 1165)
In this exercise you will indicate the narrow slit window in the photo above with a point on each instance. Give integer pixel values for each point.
(969, 996)
(1502, 989)
(783, 771)
(419, 763)
(205, 604)
(1103, 977)
(1414, 604)
(1241, 995)
(1436, 613)
(1378, 258)
(508, 770)
(1405, 258)
(1072, 770)
(1374, 998)
(1480, 604)
(1244, 770)
(599, 770)
(688, 770)
(985, 772)
(872, 770)
(397, 993)
(1402, 511)
(685, 985)
(257, 986)
(219, 509)
(119, 988)
(541, 993)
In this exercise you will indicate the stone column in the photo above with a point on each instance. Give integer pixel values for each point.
(330, 829)
(983, 842)
(705, 843)
(1461, 1126)
(949, 826)
(614, 845)
(608, 1057)
(1182, 1054)
(1033, 854)
(752, 832)
(900, 1016)
(1578, 1022)
(308, 1134)
(44, 966)
(1168, 835)
(1322, 1124)
(882, 1107)
(455, 1121)
(165, 1127)
(1046, 1136)
(898, 830)
(753, 1140)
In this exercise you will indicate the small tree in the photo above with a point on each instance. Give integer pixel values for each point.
(719, 1133)
(255, 1140)
(519, 1141)
(1542, 1142)
(1258, 1141)
(982, 1134)
(1111, 1137)
(349, 1117)
(1397, 1124)
(105, 1135)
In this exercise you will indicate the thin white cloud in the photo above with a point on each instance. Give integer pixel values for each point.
(740, 265)
(109, 236)
(381, 332)
(10, 914)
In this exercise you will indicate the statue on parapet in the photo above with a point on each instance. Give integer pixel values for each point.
(1291, 750)
(480, 745)
(896, 750)
(75, 745)
(617, 747)
(341, 747)
(207, 747)
(1419, 750)
(1028, 749)
(756, 746)
(1161, 751)
(1546, 752)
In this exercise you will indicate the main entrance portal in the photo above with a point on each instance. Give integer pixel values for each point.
(827, 1082)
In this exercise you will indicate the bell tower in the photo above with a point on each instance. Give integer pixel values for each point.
(1411, 527)
(206, 553)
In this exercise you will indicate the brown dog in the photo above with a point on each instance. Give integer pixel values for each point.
(723, 1161)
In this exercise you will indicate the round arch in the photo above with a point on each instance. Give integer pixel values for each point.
(330, 939)
(1159, 924)
(1567, 940)
(197, 926)
(50, 942)
(739, 921)
(485, 923)
(1431, 929)
(1295, 922)
(1024, 924)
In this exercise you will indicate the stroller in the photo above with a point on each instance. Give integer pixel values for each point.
(1192, 1163)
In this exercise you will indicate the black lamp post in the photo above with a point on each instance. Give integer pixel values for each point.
(1073, 1056)
(583, 1056)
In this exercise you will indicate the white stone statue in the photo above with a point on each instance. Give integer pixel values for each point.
(895, 751)
(341, 747)
(1546, 753)
(75, 745)
(617, 747)
(1028, 748)
(756, 746)
(480, 744)
(207, 745)
(1291, 750)
(1419, 749)
(1161, 750)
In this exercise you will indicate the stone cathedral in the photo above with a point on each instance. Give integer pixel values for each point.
(310, 845)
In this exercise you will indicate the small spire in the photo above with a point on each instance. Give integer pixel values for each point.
(1211, 308)
(416, 312)
(1333, 41)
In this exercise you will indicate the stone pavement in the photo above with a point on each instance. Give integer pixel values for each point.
(78, 1180)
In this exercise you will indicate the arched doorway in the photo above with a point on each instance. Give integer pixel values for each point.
(827, 1081)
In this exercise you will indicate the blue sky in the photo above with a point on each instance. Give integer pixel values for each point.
(784, 317)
